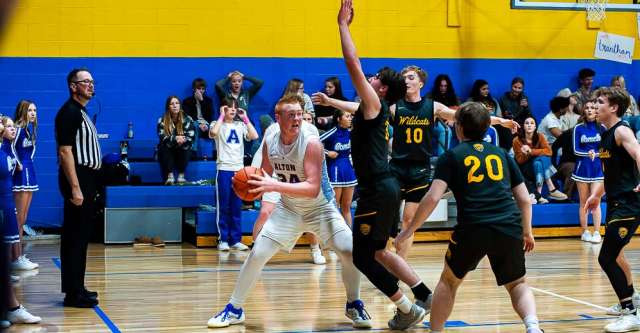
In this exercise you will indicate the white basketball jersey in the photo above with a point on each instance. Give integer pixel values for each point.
(287, 162)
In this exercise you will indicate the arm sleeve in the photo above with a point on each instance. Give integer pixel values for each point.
(189, 129)
(220, 90)
(577, 147)
(255, 87)
(67, 126)
(520, 156)
(164, 139)
(14, 142)
(543, 148)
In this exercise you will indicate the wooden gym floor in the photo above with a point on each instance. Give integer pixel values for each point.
(177, 289)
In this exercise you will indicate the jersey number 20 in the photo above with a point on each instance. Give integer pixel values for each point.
(493, 174)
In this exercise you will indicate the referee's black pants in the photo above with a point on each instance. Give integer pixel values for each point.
(76, 229)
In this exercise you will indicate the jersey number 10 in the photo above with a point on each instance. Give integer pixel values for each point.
(475, 163)
(417, 135)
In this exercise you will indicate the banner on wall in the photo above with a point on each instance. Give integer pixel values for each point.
(614, 47)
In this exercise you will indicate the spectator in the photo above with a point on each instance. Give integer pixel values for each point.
(514, 103)
(199, 107)
(532, 152)
(228, 134)
(24, 179)
(443, 91)
(564, 160)
(16, 313)
(176, 133)
(480, 93)
(619, 82)
(571, 116)
(296, 87)
(19, 262)
(550, 125)
(584, 92)
(337, 147)
(324, 114)
(588, 172)
(232, 87)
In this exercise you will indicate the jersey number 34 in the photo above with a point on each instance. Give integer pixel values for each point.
(493, 172)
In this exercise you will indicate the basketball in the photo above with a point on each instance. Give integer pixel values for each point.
(240, 183)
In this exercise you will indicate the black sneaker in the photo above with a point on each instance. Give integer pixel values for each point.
(79, 301)
(89, 293)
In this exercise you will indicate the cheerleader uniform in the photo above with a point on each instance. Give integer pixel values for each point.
(24, 149)
(340, 169)
(586, 137)
(7, 205)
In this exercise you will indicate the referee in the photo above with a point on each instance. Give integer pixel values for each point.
(79, 158)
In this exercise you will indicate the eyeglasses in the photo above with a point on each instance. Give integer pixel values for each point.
(87, 81)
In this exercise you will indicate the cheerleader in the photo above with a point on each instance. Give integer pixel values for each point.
(24, 146)
(20, 262)
(17, 313)
(588, 170)
(337, 146)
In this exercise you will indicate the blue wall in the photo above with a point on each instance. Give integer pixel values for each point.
(134, 89)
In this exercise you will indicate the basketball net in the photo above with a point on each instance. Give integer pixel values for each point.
(596, 10)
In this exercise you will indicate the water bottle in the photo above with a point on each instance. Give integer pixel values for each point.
(130, 131)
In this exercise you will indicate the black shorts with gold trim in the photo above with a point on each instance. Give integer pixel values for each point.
(378, 213)
(413, 177)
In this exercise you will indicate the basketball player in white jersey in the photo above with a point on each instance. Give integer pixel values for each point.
(270, 199)
(306, 205)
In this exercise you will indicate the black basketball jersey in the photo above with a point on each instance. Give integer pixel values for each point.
(481, 177)
(620, 171)
(369, 144)
(412, 126)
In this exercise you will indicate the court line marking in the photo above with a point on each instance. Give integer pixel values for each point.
(569, 298)
(105, 319)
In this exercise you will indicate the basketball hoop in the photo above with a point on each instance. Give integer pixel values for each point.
(596, 10)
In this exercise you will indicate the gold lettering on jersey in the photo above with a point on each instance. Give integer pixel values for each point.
(413, 121)
(284, 167)
(604, 153)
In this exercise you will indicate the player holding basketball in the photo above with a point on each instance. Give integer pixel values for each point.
(620, 156)
(306, 205)
(489, 222)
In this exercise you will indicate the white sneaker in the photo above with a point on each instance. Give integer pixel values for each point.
(239, 246)
(543, 201)
(226, 317)
(596, 238)
(181, 179)
(616, 309)
(15, 278)
(23, 264)
(28, 230)
(626, 322)
(223, 246)
(22, 316)
(318, 258)
(586, 236)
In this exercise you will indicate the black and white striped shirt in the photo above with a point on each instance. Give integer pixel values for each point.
(74, 128)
